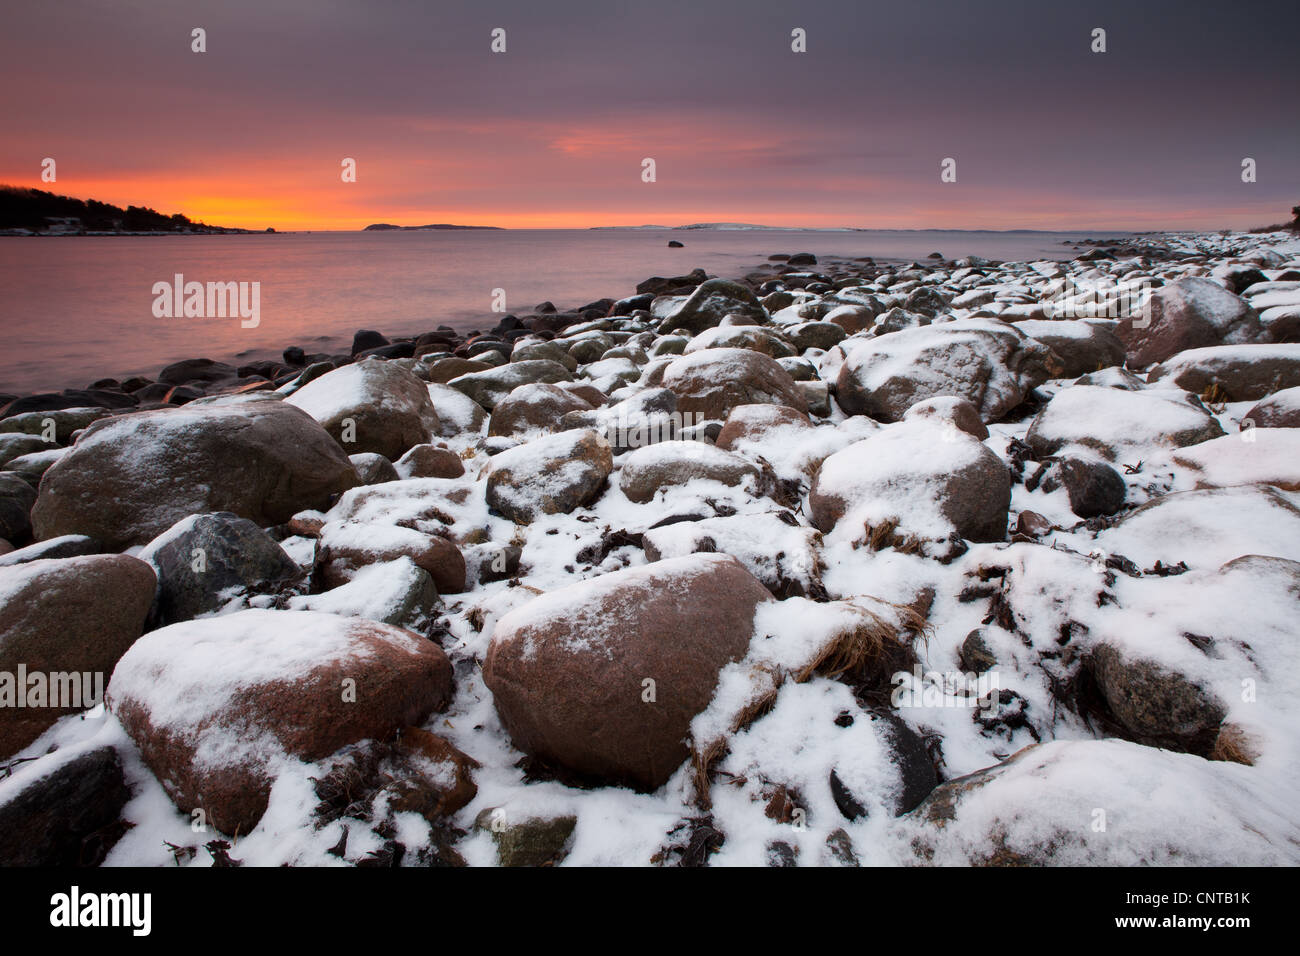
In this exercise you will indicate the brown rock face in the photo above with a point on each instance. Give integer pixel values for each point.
(130, 478)
(371, 406)
(604, 677)
(712, 382)
(216, 704)
(429, 461)
(68, 616)
(1280, 410)
(1190, 313)
(443, 777)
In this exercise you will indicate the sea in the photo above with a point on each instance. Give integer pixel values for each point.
(77, 309)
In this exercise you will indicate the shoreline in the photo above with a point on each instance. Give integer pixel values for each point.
(263, 356)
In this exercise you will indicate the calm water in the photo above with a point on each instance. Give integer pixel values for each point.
(76, 309)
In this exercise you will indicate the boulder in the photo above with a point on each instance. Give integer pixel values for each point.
(430, 461)
(1082, 346)
(130, 478)
(16, 499)
(1120, 424)
(391, 592)
(1232, 373)
(1279, 410)
(1093, 487)
(950, 410)
(925, 481)
(204, 560)
(988, 363)
(1159, 707)
(753, 423)
(346, 547)
(62, 811)
(69, 620)
(216, 706)
(370, 406)
(373, 469)
(552, 475)
(711, 383)
(491, 386)
(534, 408)
(65, 422)
(743, 337)
(674, 463)
(712, 300)
(1188, 313)
(604, 677)
(457, 412)
(782, 556)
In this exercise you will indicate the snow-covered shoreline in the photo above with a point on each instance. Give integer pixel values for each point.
(910, 570)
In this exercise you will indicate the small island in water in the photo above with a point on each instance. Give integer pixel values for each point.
(389, 227)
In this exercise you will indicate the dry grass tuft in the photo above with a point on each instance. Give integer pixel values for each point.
(1233, 745)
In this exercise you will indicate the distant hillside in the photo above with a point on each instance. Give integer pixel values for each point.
(388, 226)
(42, 213)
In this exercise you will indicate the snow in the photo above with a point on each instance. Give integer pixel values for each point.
(376, 592)
(1208, 528)
(1121, 424)
(1161, 807)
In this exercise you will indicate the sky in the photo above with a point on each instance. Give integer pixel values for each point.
(552, 133)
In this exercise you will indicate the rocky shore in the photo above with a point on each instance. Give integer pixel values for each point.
(835, 563)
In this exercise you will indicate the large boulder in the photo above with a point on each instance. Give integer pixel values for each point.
(457, 412)
(1082, 346)
(604, 677)
(990, 364)
(130, 478)
(204, 560)
(743, 337)
(534, 408)
(16, 499)
(1118, 423)
(491, 386)
(753, 424)
(216, 706)
(1233, 373)
(61, 811)
(1186, 314)
(1156, 705)
(552, 475)
(1161, 809)
(925, 481)
(713, 300)
(1279, 410)
(371, 406)
(673, 463)
(68, 620)
(710, 383)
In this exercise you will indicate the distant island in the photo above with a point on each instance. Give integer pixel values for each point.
(35, 212)
(389, 227)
